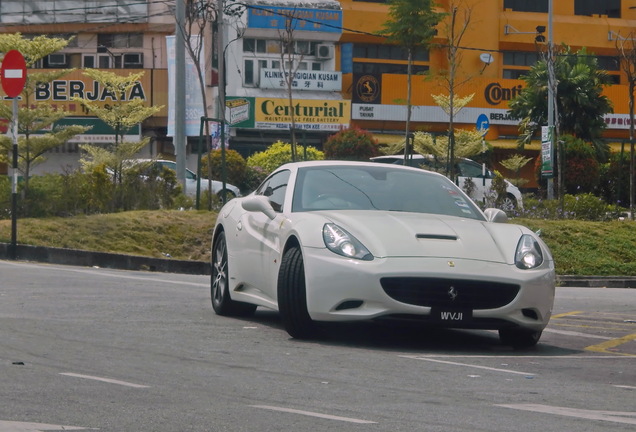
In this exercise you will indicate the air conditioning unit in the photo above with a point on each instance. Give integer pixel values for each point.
(133, 60)
(56, 60)
(324, 51)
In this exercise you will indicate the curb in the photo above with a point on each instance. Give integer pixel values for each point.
(133, 262)
(103, 259)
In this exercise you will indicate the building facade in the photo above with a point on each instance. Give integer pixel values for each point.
(343, 73)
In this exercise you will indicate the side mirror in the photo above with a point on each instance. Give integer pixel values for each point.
(259, 203)
(496, 215)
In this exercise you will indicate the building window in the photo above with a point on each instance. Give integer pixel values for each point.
(388, 52)
(527, 5)
(386, 68)
(611, 8)
(248, 73)
(120, 40)
(273, 46)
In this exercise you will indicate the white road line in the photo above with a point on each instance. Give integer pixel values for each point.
(107, 380)
(313, 414)
(609, 416)
(625, 387)
(573, 333)
(15, 426)
(469, 365)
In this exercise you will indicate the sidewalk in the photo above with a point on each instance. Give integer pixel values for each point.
(131, 262)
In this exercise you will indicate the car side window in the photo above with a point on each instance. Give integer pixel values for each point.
(274, 189)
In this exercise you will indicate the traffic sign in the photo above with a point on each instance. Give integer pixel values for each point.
(483, 124)
(13, 73)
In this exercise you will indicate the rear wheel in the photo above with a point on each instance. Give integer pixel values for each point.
(509, 203)
(219, 287)
(292, 296)
(519, 338)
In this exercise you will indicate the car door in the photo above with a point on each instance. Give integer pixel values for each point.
(261, 236)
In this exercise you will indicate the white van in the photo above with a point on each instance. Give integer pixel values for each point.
(466, 169)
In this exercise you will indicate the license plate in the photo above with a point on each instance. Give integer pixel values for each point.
(452, 316)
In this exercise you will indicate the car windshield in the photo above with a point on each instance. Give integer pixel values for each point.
(381, 187)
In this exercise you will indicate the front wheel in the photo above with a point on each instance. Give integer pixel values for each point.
(509, 203)
(292, 296)
(219, 287)
(519, 338)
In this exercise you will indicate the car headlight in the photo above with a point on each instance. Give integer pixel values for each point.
(528, 255)
(339, 241)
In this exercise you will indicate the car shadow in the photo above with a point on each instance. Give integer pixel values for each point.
(411, 337)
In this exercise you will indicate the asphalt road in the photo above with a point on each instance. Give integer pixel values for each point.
(109, 350)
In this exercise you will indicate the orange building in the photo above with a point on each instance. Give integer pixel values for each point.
(503, 40)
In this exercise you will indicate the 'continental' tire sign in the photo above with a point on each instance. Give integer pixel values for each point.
(310, 114)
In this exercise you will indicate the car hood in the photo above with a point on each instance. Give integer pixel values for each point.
(397, 234)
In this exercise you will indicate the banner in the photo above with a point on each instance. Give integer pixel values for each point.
(194, 109)
(547, 168)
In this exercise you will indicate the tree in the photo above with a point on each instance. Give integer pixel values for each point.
(121, 115)
(580, 102)
(514, 163)
(627, 56)
(351, 144)
(411, 24)
(33, 117)
(290, 61)
(454, 35)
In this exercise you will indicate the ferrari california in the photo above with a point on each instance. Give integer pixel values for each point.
(343, 241)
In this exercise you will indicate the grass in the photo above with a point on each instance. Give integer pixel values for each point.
(579, 247)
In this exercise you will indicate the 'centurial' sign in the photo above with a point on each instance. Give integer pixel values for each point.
(63, 90)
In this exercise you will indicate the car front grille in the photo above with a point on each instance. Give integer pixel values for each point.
(449, 293)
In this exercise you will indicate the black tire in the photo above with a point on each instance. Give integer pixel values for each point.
(509, 203)
(219, 287)
(292, 296)
(519, 338)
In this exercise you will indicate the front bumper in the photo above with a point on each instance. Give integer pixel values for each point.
(340, 289)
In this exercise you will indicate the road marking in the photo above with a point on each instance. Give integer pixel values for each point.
(313, 414)
(14, 426)
(606, 346)
(468, 365)
(107, 380)
(566, 314)
(573, 333)
(625, 387)
(610, 416)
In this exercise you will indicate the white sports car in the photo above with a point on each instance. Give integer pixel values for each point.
(344, 241)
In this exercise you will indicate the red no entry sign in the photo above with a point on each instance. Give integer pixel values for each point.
(13, 73)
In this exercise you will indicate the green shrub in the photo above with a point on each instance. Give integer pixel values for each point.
(581, 207)
(278, 154)
(351, 144)
(235, 166)
(614, 179)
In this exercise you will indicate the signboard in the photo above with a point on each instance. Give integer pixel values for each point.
(302, 80)
(273, 17)
(275, 113)
(482, 124)
(193, 98)
(547, 168)
(100, 132)
(13, 73)
(237, 110)
(430, 114)
(367, 88)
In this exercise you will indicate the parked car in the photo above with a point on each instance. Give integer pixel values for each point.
(347, 241)
(191, 180)
(466, 169)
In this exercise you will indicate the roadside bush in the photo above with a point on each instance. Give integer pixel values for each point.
(614, 183)
(581, 206)
(235, 166)
(278, 154)
(351, 144)
(581, 166)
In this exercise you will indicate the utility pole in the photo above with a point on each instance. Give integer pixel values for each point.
(551, 98)
(179, 139)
